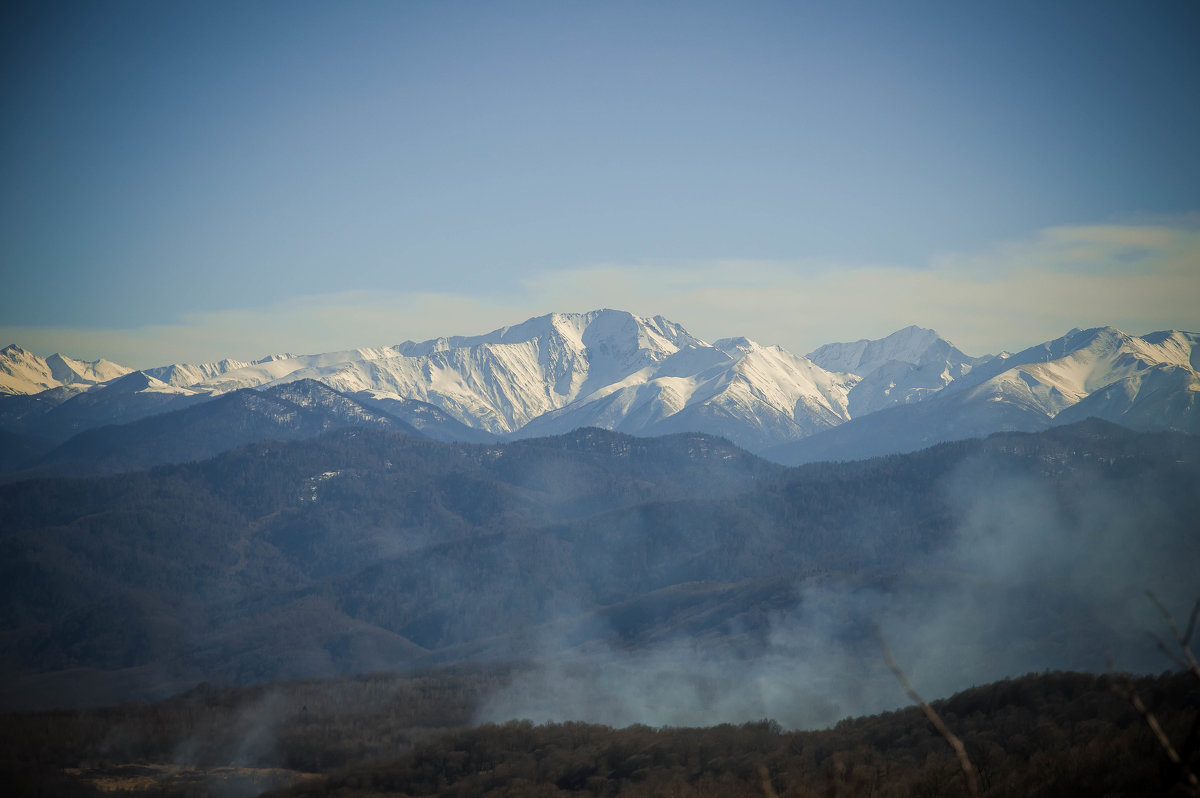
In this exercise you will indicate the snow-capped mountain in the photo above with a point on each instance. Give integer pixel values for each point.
(292, 411)
(23, 372)
(1147, 382)
(909, 345)
(907, 366)
(751, 394)
(281, 368)
(1113, 375)
(430, 421)
(1162, 396)
(336, 407)
(496, 382)
(549, 374)
(1057, 374)
(649, 376)
(128, 398)
(181, 375)
(606, 368)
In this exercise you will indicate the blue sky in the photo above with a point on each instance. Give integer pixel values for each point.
(188, 181)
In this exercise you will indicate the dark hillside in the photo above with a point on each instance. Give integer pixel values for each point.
(391, 734)
(207, 427)
(362, 549)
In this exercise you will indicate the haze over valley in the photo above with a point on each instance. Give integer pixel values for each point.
(623, 399)
(585, 488)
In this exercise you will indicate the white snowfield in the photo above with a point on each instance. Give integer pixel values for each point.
(142, 383)
(612, 369)
(863, 357)
(1062, 373)
(23, 372)
(182, 375)
(752, 394)
(905, 367)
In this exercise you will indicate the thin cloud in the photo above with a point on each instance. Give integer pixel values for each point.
(1137, 277)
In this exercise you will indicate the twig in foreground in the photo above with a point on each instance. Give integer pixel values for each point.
(1124, 687)
(1182, 639)
(964, 761)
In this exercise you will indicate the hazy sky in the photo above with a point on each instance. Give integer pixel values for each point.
(194, 180)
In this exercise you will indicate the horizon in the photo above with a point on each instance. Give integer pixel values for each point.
(278, 353)
(192, 182)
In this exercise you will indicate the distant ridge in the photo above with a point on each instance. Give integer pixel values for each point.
(363, 549)
(650, 376)
(23, 372)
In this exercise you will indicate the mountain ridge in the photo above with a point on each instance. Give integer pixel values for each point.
(649, 376)
(362, 546)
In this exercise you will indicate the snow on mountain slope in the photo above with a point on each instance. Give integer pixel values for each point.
(1060, 373)
(280, 367)
(1161, 397)
(140, 382)
(609, 369)
(292, 411)
(751, 394)
(649, 376)
(183, 375)
(129, 398)
(1148, 382)
(69, 371)
(430, 421)
(577, 352)
(500, 381)
(22, 372)
(907, 366)
(336, 407)
(861, 357)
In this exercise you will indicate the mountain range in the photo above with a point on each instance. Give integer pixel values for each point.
(602, 489)
(365, 549)
(608, 369)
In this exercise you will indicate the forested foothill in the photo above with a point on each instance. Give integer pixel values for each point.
(642, 585)
(1050, 734)
(364, 550)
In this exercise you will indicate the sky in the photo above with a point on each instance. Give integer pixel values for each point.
(188, 181)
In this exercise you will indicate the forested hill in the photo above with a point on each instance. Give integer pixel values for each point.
(390, 734)
(366, 550)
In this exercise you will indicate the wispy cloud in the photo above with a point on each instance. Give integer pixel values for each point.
(1139, 277)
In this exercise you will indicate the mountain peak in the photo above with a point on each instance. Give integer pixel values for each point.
(910, 344)
(133, 381)
(22, 372)
(140, 382)
(1073, 341)
(600, 331)
(301, 387)
(646, 375)
(736, 346)
(906, 366)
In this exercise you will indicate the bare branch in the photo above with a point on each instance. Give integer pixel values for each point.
(963, 760)
(1127, 690)
(1170, 619)
(1191, 627)
(1168, 653)
(1181, 639)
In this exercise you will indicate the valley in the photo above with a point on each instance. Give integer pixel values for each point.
(468, 527)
